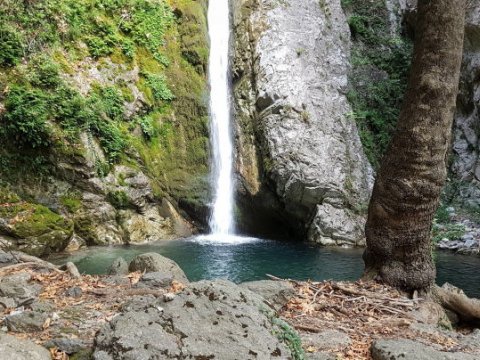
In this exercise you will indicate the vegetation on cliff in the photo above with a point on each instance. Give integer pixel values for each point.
(378, 78)
(124, 77)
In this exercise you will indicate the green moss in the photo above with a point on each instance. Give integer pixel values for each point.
(72, 204)
(39, 220)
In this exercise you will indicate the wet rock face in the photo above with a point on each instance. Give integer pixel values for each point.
(208, 320)
(294, 138)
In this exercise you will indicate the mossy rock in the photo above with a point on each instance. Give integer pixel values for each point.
(35, 229)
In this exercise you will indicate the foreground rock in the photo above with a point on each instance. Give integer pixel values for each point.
(153, 262)
(300, 156)
(12, 348)
(408, 349)
(207, 320)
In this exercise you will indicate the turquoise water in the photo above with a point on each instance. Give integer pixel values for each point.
(251, 259)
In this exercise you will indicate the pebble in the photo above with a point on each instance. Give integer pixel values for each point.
(168, 297)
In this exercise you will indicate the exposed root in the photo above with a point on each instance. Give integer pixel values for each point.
(454, 299)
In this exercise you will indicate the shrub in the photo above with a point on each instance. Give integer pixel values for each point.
(11, 46)
(148, 129)
(158, 85)
(118, 199)
(44, 73)
(26, 116)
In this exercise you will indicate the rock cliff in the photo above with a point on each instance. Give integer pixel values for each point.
(299, 154)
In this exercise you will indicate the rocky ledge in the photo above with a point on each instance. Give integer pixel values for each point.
(154, 312)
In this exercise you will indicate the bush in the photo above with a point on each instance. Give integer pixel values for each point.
(26, 116)
(44, 73)
(118, 199)
(11, 46)
(148, 129)
(158, 85)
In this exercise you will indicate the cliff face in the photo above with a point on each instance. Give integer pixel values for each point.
(103, 121)
(299, 153)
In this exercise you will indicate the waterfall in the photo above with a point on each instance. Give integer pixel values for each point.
(221, 221)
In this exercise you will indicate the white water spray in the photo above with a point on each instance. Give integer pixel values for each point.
(221, 222)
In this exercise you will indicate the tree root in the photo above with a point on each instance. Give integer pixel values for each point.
(454, 299)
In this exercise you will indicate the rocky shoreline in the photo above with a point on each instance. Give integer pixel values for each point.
(149, 310)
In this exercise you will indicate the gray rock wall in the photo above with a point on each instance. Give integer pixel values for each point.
(295, 139)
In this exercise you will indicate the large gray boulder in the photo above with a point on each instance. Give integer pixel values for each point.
(403, 349)
(12, 348)
(295, 138)
(153, 262)
(207, 320)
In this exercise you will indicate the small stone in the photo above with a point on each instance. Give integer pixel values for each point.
(69, 346)
(74, 292)
(118, 267)
(42, 306)
(470, 243)
(168, 297)
(26, 321)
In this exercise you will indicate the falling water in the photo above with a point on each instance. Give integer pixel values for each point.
(221, 222)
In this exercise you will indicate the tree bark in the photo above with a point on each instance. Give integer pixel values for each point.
(413, 171)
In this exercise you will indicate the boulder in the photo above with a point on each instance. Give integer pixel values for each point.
(27, 321)
(153, 262)
(401, 349)
(12, 348)
(118, 267)
(277, 293)
(207, 320)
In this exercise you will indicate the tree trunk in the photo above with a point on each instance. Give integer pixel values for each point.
(413, 171)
